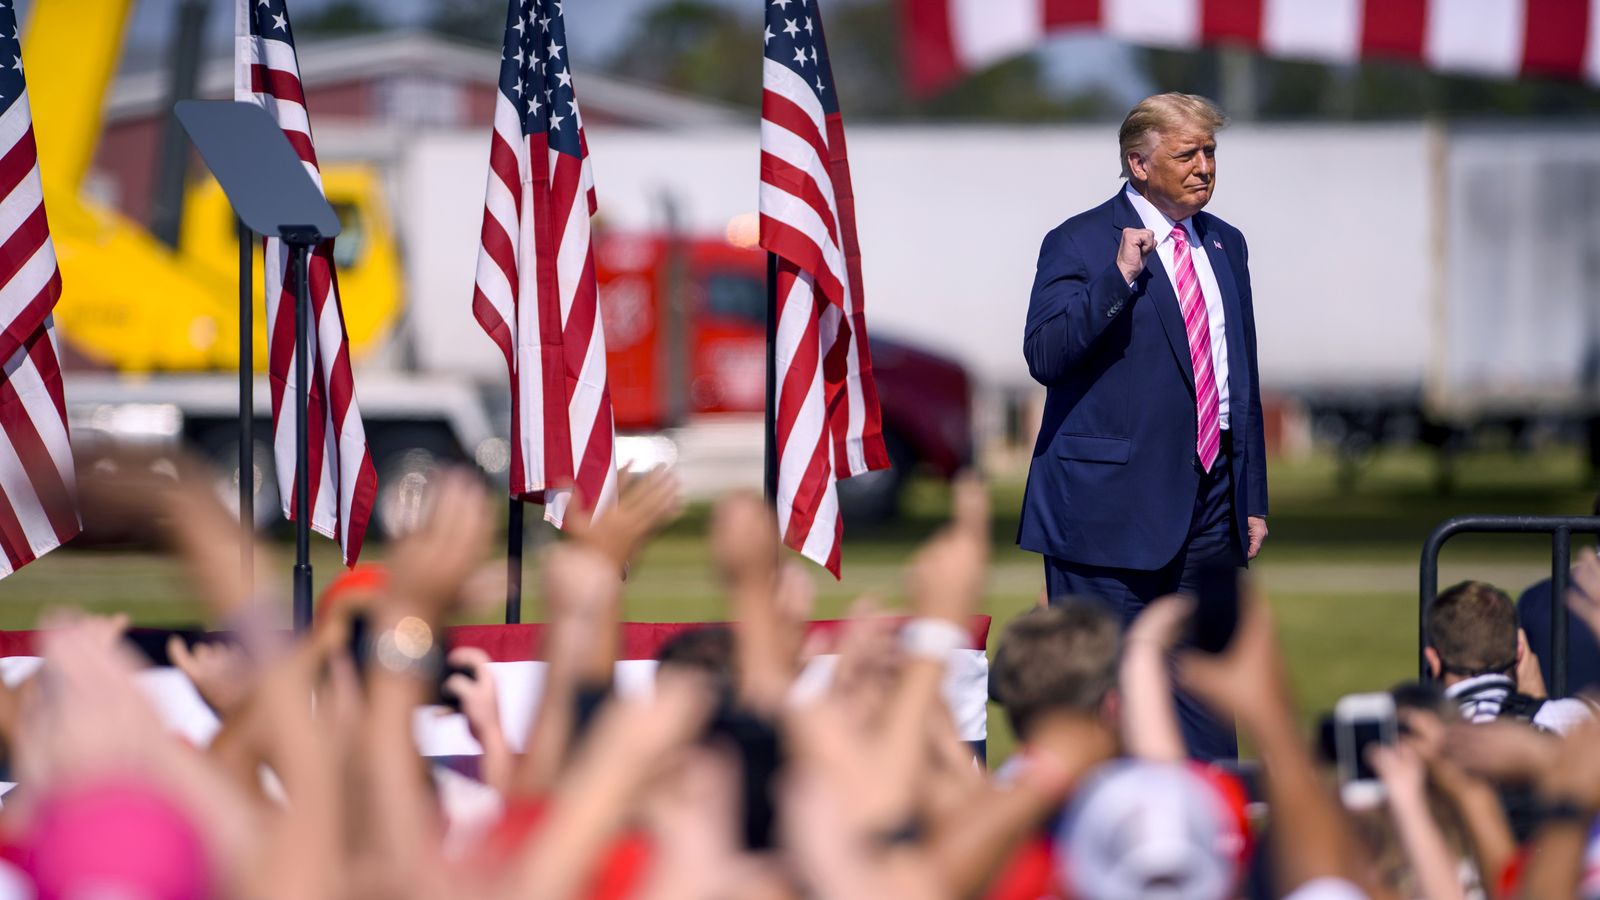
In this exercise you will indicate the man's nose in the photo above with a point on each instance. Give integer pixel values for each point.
(1206, 166)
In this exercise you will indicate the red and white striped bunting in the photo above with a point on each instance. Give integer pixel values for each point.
(1493, 38)
(519, 680)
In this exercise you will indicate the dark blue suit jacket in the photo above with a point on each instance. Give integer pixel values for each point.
(1534, 612)
(1114, 476)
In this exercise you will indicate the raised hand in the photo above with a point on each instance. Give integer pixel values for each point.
(1137, 245)
(87, 714)
(1509, 752)
(579, 582)
(137, 489)
(1405, 778)
(631, 742)
(744, 540)
(693, 819)
(476, 692)
(223, 673)
(868, 661)
(1583, 597)
(1570, 780)
(1160, 626)
(430, 565)
(1149, 720)
(1402, 770)
(1573, 774)
(480, 704)
(1530, 678)
(1247, 681)
(582, 594)
(645, 504)
(945, 579)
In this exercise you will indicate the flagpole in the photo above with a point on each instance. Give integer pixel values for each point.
(514, 563)
(300, 242)
(247, 413)
(770, 418)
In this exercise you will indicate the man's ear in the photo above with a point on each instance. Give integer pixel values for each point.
(1137, 164)
(1111, 710)
(1431, 656)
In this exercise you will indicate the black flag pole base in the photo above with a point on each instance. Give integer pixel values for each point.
(301, 239)
(514, 563)
(302, 597)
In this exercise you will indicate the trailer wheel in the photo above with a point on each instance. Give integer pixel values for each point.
(220, 445)
(407, 458)
(874, 497)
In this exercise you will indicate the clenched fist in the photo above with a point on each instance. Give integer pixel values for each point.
(1137, 243)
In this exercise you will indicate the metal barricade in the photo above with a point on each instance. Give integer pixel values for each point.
(1560, 528)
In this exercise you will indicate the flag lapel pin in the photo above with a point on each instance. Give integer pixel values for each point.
(1216, 243)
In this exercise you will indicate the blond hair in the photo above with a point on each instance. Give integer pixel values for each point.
(1057, 659)
(1165, 112)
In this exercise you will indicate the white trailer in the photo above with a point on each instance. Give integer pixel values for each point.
(1430, 271)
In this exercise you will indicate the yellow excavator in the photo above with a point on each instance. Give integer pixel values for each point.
(129, 302)
(152, 330)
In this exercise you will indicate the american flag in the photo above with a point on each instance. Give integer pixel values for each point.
(1496, 39)
(342, 481)
(535, 291)
(828, 422)
(37, 481)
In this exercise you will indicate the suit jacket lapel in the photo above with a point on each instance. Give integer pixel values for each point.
(1233, 319)
(1155, 282)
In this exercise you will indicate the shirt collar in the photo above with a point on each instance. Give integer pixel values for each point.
(1478, 682)
(1156, 220)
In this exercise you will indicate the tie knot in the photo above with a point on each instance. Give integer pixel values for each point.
(1180, 235)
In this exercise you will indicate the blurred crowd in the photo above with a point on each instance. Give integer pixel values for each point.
(735, 778)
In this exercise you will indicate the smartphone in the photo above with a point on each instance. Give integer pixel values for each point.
(151, 643)
(1360, 721)
(1216, 608)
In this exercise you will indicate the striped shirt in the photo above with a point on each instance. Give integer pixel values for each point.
(1481, 697)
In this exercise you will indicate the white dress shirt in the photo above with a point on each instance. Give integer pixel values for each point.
(1157, 221)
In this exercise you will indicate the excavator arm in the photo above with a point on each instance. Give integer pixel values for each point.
(72, 48)
(129, 302)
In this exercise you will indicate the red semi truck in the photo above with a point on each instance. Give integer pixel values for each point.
(685, 324)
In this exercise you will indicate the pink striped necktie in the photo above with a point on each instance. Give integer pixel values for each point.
(1208, 437)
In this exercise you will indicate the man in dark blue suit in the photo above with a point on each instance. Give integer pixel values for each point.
(1535, 610)
(1150, 465)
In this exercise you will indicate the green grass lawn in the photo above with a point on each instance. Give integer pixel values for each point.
(1340, 568)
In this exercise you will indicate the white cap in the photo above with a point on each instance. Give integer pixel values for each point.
(1140, 829)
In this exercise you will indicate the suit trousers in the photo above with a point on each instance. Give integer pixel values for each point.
(1212, 540)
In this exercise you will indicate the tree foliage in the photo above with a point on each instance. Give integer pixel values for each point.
(475, 21)
(339, 17)
(695, 47)
(1371, 90)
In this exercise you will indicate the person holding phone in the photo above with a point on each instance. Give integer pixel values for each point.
(1150, 465)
